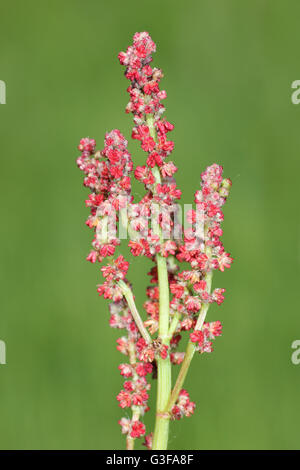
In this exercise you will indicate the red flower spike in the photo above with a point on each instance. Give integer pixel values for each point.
(107, 174)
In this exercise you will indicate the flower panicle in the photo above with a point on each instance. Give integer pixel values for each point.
(108, 175)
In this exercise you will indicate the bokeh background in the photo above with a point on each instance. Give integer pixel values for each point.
(228, 70)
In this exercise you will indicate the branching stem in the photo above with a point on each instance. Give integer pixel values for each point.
(190, 351)
(134, 311)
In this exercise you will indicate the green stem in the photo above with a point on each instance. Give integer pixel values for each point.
(126, 291)
(174, 324)
(161, 432)
(190, 351)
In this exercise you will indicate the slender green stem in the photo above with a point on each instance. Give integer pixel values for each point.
(174, 324)
(161, 432)
(190, 351)
(134, 311)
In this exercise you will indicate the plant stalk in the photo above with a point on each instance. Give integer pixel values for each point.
(134, 311)
(190, 351)
(161, 431)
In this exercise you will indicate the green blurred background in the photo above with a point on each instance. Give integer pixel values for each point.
(228, 70)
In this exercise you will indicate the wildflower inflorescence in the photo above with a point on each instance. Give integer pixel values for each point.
(108, 175)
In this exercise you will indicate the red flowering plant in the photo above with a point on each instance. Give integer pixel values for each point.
(177, 299)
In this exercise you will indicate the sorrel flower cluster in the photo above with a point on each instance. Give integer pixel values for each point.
(177, 299)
